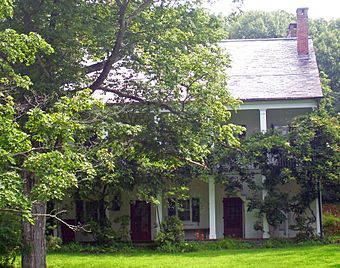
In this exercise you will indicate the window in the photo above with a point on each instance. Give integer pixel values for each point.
(195, 209)
(86, 211)
(91, 211)
(184, 210)
(116, 203)
(188, 210)
(171, 207)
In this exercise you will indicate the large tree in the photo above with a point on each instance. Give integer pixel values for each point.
(157, 62)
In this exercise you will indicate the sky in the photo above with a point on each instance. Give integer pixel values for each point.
(327, 9)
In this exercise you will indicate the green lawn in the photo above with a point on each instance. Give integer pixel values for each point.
(295, 257)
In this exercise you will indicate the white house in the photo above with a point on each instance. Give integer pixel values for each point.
(277, 79)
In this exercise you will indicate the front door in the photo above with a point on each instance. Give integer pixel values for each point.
(233, 217)
(67, 234)
(140, 221)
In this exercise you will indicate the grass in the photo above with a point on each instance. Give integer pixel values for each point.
(305, 256)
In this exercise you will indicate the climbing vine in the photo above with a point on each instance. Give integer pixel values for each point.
(292, 165)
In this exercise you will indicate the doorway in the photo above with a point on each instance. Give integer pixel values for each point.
(233, 217)
(140, 213)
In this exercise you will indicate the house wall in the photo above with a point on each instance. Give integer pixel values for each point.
(251, 118)
(249, 218)
(126, 199)
(284, 116)
(200, 189)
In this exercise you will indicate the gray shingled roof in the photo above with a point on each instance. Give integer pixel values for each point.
(269, 69)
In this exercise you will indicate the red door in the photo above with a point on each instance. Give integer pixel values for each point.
(140, 221)
(67, 234)
(233, 217)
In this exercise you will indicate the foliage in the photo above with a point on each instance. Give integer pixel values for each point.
(331, 220)
(114, 247)
(10, 238)
(53, 242)
(326, 38)
(171, 234)
(46, 147)
(108, 47)
(123, 233)
(309, 154)
(260, 24)
(228, 244)
(182, 247)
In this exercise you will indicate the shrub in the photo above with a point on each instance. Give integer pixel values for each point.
(104, 235)
(228, 244)
(95, 249)
(53, 242)
(172, 232)
(123, 233)
(331, 224)
(182, 246)
(171, 236)
(10, 238)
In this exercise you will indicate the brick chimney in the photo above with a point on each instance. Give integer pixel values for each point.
(302, 31)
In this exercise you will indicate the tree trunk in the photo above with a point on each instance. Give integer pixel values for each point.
(33, 235)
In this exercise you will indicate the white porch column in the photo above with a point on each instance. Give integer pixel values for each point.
(318, 216)
(264, 220)
(212, 209)
(263, 128)
(263, 120)
(159, 213)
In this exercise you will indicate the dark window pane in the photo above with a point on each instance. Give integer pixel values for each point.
(195, 209)
(184, 210)
(91, 213)
(171, 207)
(80, 211)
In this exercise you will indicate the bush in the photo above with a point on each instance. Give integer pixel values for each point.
(228, 244)
(104, 235)
(331, 224)
(171, 237)
(178, 247)
(95, 249)
(53, 242)
(123, 233)
(10, 238)
(172, 232)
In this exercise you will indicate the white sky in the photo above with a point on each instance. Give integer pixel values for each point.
(327, 9)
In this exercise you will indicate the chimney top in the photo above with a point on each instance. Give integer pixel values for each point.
(302, 11)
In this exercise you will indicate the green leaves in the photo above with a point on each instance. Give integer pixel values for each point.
(19, 48)
(6, 8)
(55, 172)
(260, 24)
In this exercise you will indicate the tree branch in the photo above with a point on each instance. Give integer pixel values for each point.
(115, 53)
(141, 100)
(138, 10)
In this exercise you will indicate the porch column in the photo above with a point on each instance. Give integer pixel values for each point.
(159, 213)
(212, 209)
(263, 120)
(263, 128)
(264, 220)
